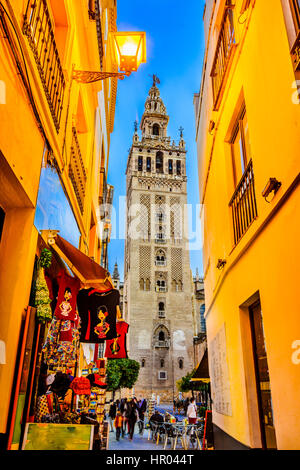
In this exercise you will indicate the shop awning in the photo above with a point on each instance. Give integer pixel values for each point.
(202, 372)
(90, 273)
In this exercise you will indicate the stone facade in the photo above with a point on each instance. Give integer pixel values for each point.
(157, 280)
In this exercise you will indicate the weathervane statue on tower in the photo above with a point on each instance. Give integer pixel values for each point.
(155, 79)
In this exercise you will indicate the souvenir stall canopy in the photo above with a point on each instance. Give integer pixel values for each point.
(90, 273)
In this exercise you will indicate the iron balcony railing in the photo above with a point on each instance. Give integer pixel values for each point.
(162, 344)
(38, 28)
(77, 173)
(224, 48)
(243, 204)
(160, 263)
(161, 314)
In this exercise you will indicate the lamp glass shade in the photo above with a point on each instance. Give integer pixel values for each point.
(129, 49)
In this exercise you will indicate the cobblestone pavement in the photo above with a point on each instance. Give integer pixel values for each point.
(138, 442)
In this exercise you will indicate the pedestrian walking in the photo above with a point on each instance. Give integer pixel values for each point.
(112, 414)
(132, 416)
(142, 408)
(123, 410)
(118, 422)
(192, 412)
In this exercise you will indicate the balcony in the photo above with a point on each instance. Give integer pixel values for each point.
(77, 173)
(162, 344)
(161, 314)
(225, 45)
(295, 52)
(243, 204)
(160, 263)
(38, 28)
(161, 289)
(160, 239)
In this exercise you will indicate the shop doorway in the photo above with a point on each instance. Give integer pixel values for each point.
(264, 398)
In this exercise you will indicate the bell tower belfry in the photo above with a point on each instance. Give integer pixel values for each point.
(157, 278)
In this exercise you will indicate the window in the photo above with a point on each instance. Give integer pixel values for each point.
(224, 49)
(170, 167)
(161, 336)
(161, 285)
(178, 167)
(295, 9)
(159, 162)
(140, 163)
(155, 129)
(39, 30)
(240, 146)
(148, 163)
(180, 363)
(160, 259)
(162, 375)
(243, 201)
(143, 363)
(162, 363)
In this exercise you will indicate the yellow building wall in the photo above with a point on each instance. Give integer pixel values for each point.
(265, 259)
(22, 146)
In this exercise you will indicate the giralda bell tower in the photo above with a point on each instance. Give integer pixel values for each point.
(157, 278)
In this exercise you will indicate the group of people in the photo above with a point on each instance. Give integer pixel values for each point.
(124, 414)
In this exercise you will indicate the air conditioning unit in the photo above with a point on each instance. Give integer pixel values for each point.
(162, 375)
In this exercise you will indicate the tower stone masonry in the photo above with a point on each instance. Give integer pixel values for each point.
(157, 278)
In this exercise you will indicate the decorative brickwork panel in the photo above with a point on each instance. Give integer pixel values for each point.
(176, 264)
(145, 267)
(144, 226)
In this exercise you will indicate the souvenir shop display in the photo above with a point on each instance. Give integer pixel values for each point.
(116, 348)
(98, 314)
(43, 296)
(62, 343)
(79, 316)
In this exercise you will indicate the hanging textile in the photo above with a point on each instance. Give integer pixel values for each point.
(116, 348)
(66, 300)
(62, 343)
(98, 313)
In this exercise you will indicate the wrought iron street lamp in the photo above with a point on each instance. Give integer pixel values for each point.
(128, 51)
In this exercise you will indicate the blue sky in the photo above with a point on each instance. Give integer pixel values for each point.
(175, 49)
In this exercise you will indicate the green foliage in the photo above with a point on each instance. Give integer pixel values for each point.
(113, 375)
(185, 384)
(121, 373)
(45, 258)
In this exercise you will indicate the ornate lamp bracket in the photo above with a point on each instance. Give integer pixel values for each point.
(83, 76)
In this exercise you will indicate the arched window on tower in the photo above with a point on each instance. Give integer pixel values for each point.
(143, 363)
(161, 310)
(159, 162)
(155, 129)
(180, 363)
(162, 363)
(161, 336)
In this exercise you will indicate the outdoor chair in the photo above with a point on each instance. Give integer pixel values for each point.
(194, 436)
(160, 431)
(179, 431)
(152, 430)
(169, 434)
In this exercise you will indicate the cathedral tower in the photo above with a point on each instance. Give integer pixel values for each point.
(158, 287)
